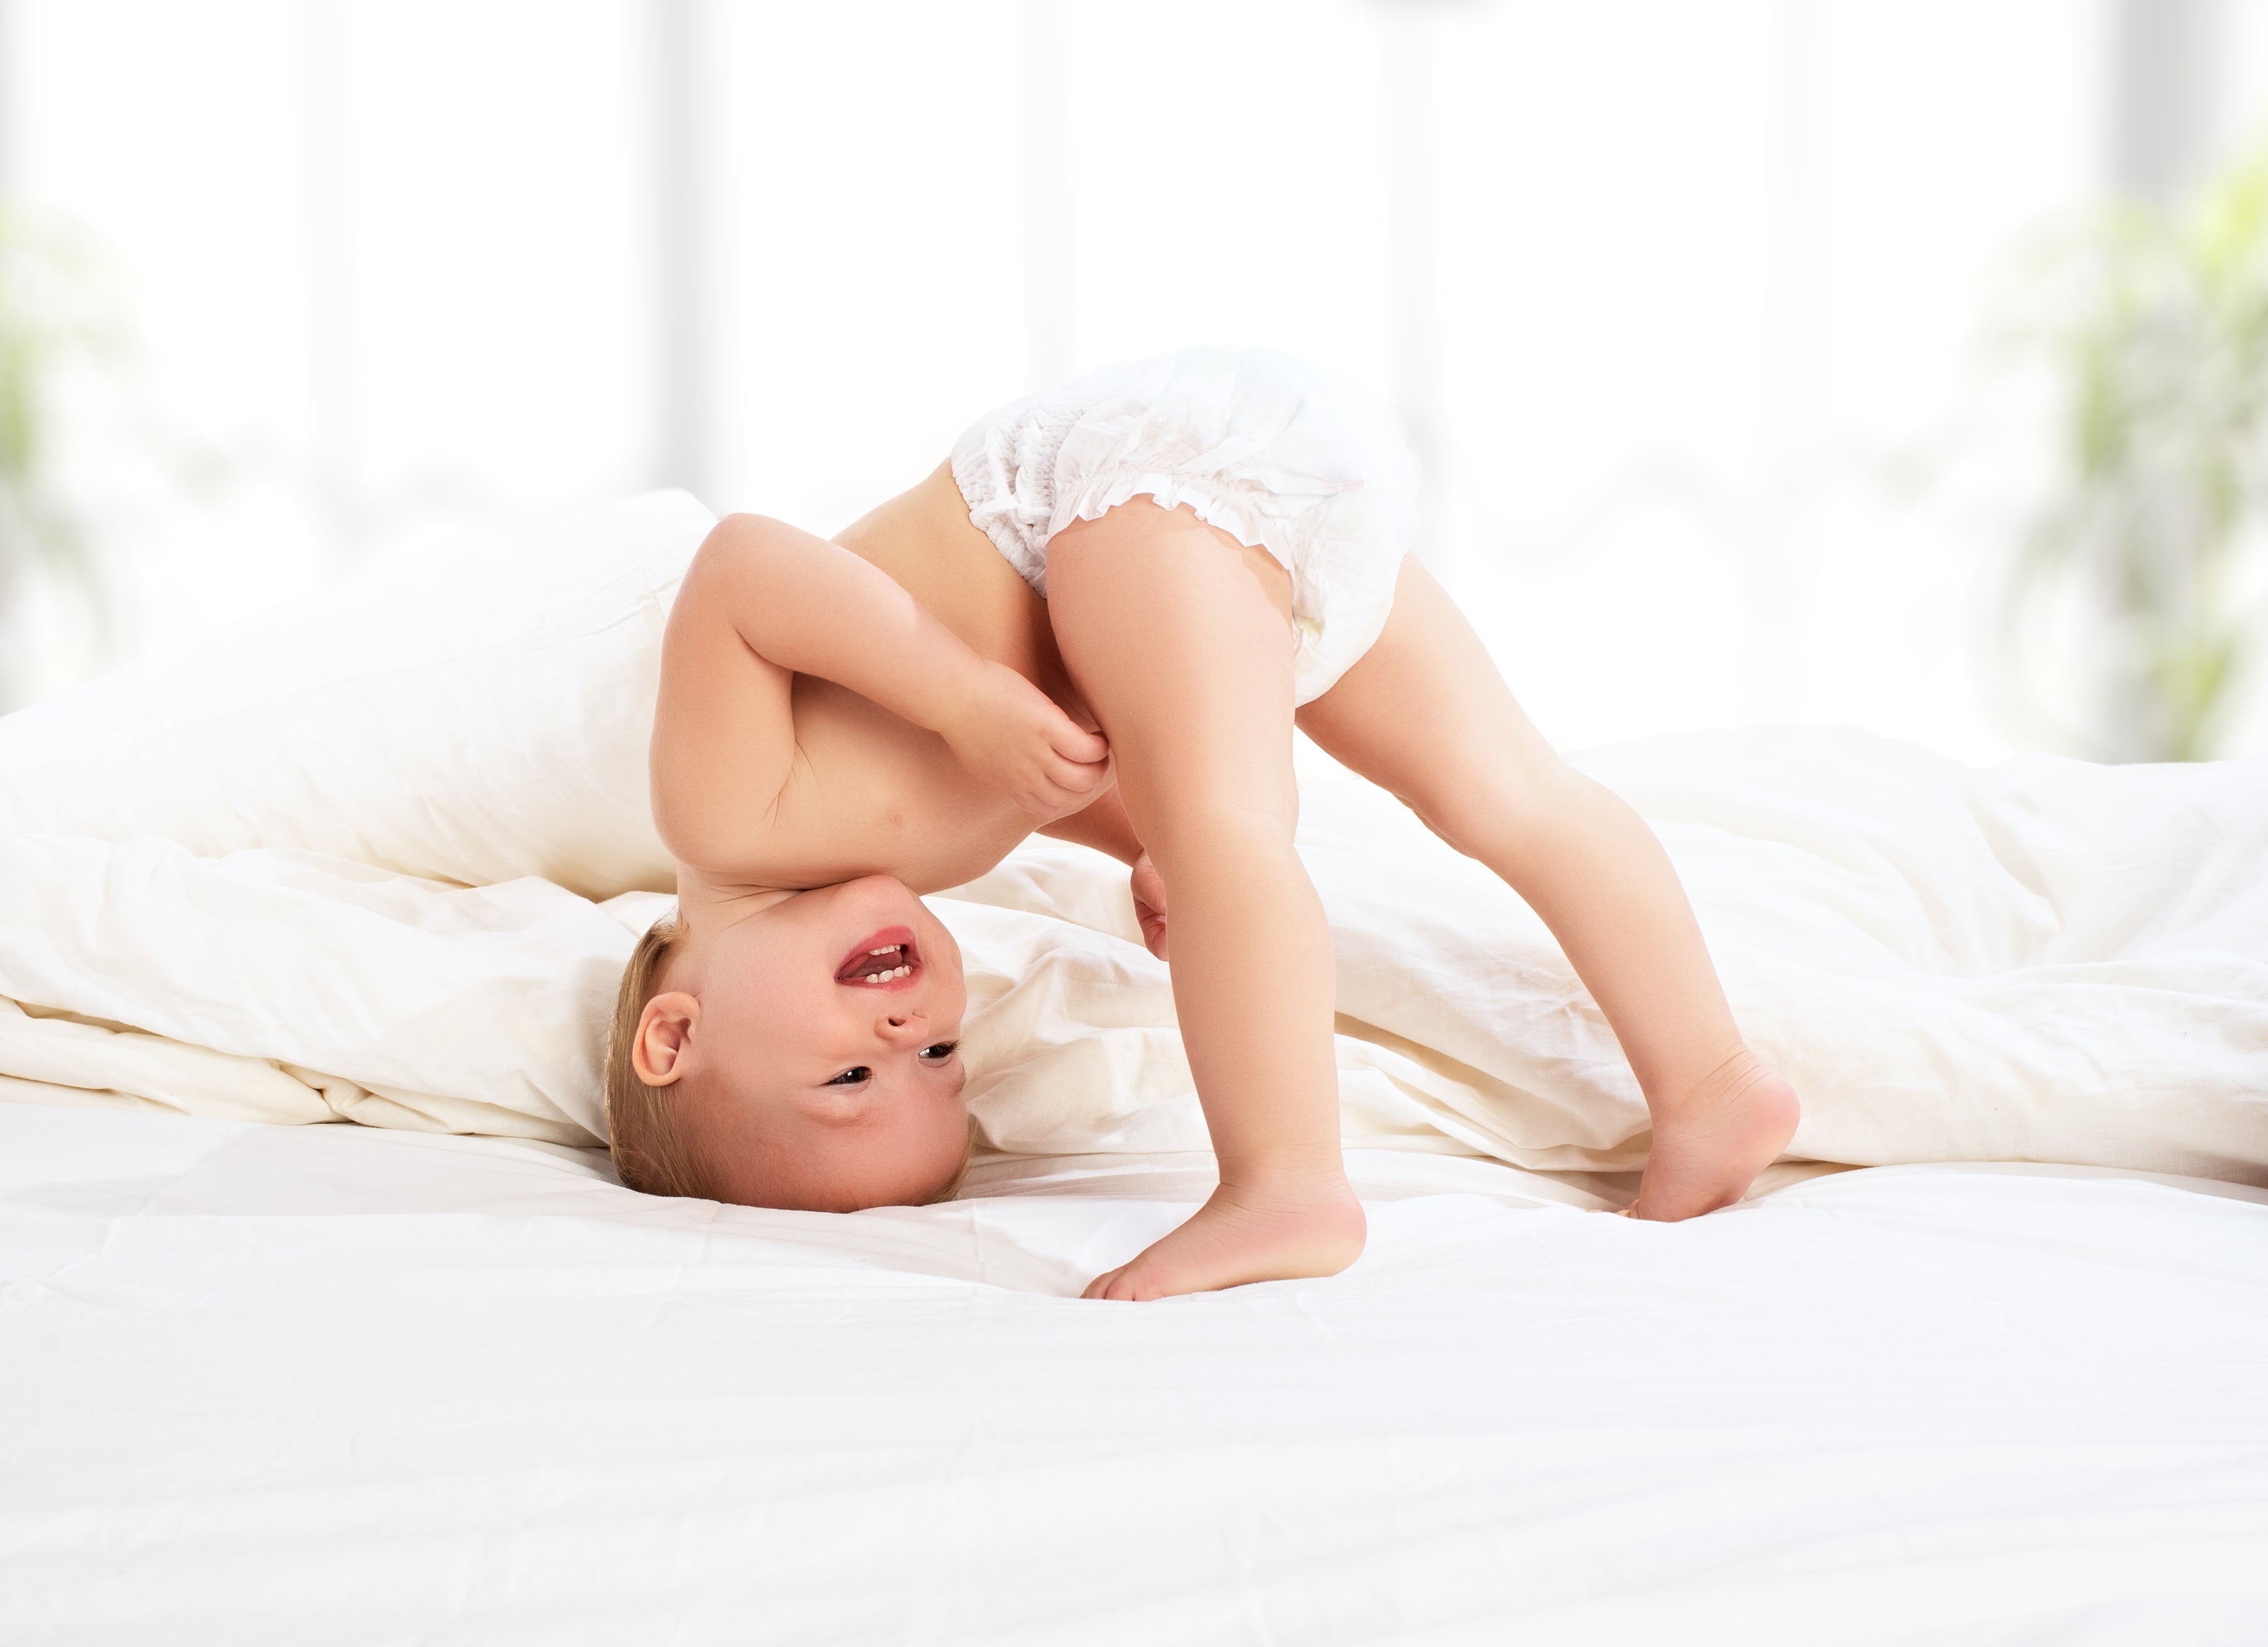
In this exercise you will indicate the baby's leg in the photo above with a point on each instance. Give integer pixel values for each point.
(1180, 640)
(1424, 714)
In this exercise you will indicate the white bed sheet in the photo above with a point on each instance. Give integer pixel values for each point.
(289, 1385)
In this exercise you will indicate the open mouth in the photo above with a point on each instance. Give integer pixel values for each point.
(886, 959)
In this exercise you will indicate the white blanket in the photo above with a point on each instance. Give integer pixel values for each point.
(233, 890)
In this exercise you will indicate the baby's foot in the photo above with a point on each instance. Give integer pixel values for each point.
(1709, 1145)
(1281, 1231)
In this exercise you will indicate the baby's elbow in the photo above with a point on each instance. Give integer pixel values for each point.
(734, 536)
(696, 836)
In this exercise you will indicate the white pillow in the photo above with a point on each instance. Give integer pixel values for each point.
(475, 714)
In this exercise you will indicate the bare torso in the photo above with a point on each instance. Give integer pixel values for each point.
(868, 792)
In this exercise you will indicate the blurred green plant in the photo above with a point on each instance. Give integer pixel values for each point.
(2152, 324)
(57, 317)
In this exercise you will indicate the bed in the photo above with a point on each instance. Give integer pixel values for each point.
(325, 1318)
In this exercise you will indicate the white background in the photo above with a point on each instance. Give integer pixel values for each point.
(1684, 299)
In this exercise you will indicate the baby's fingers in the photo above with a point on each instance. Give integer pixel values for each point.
(1149, 889)
(1054, 788)
(1078, 780)
(1073, 742)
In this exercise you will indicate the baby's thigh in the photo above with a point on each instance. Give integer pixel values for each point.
(1426, 715)
(1179, 640)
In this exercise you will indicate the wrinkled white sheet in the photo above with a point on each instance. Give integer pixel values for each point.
(328, 1384)
(2044, 961)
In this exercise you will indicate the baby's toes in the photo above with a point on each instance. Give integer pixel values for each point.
(1137, 1280)
(1100, 1287)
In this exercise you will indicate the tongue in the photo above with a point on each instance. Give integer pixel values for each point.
(866, 965)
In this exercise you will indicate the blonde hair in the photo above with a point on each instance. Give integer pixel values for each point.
(652, 1149)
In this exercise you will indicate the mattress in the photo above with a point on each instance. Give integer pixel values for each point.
(332, 1382)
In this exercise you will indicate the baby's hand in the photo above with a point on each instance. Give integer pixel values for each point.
(1014, 737)
(1149, 889)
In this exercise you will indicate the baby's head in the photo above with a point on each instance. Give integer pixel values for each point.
(802, 1054)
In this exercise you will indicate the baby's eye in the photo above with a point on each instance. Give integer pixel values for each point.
(939, 1052)
(852, 1076)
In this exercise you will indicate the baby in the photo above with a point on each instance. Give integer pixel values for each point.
(1101, 619)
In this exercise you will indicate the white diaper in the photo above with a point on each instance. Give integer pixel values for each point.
(1281, 455)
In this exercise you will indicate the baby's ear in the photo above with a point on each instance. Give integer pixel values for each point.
(658, 1051)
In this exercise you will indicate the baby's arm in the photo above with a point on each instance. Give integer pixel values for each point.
(1424, 714)
(764, 602)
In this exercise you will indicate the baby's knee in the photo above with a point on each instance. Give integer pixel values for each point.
(1480, 812)
(1254, 836)
(1460, 820)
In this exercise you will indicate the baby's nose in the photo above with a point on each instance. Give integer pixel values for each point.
(902, 1027)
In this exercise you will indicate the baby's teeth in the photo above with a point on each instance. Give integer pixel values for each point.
(886, 948)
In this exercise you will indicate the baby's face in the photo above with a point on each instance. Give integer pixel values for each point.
(830, 1074)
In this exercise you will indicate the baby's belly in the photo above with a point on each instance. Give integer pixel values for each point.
(871, 794)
